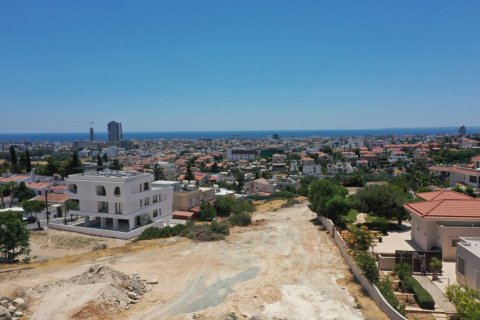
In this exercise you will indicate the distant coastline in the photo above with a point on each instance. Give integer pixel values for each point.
(102, 136)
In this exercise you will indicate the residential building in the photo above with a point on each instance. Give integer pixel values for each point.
(468, 262)
(397, 155)
(442, 219)
(259, 187)
(190, 197)
(119, 201)
(310, 167)
(235, 154)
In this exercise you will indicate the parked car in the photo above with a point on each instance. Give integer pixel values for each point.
(30, 219)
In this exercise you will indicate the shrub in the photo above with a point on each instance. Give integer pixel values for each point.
(466, 300)
(385, 287)
(165, 232)
(403, 270)
(367, 263)
(380, 224)
(207, 212)
(220, 227)
(240, 219)
(202, 233)
(285, 194)
(423, 298)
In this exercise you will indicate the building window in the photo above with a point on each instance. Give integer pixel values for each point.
(461, 265)
(473, 179)
(117, 191)
(154, 199)
(155, 213)
(72, 188)
(454, 242)
(145, 186)
(118, 208)
(147, 201)
(100, 191)
(103, 206)
(141, 203)
(160, 197)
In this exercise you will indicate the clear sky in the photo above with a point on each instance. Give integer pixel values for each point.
(238, 65)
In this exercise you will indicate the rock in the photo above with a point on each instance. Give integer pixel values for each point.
(12, 309)
(19, 303)
(4, 314)
(4, 303)
(153, 281)
(132, 295)
(18, 314)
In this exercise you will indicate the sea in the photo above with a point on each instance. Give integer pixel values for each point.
(102, 136)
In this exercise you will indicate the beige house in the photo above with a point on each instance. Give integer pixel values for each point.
(468, 262)
(184, 200)
(259, 186)
(442, 219)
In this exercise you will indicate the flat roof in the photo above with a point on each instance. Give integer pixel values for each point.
(471, 244)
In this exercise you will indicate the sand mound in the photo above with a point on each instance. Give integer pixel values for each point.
(99, 284)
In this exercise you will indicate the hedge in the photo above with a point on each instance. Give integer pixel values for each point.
(423, 298)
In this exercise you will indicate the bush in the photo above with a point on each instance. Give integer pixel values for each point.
(165, 232)
(380, 224)
(202, 233)
(385, 287)
(225, 206)
(466, 300)
(207, 212)
(222, 227)
(423, 298)
(285, 194)
(240, 219)
(367, 263)
(403, 270)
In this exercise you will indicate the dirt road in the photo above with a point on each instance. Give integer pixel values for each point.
(282, 267)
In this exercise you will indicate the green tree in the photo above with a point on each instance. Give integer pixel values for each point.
(115, 165)
(336, 208)
(207, 212)
(70, 204)
(321, 192)
(22, 192)
(99, 162)
(14, 236)
(214, 168)
(13, 159)
(240, 177)
(4, 192)
(34, 207)
(224, 206)
(158, 172)
(381, 200)
(28, 162)
(189, 174)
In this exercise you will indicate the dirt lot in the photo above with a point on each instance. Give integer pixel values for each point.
(282, 267)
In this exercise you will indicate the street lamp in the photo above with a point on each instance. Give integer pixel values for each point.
(46, 201)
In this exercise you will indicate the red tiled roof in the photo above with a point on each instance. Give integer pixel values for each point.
(466, 209)
(184, 215)
(476, 158)
(54, 197)
(443, 195)
(38, 185)
(13, 178)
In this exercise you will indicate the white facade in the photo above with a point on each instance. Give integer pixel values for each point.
(120, 201)
(468, 262)
(310, 167)
(241, 154)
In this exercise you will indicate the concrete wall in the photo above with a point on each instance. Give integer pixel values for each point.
(448, 233)
(372, 290)
(386, 262)
(107, 233)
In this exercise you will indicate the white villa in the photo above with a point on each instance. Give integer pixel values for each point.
(116, 202)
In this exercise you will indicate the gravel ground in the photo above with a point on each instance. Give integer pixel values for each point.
(281, 267)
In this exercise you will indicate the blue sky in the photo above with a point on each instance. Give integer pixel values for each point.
(238, 65)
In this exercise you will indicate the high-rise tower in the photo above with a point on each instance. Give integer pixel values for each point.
(115, 133)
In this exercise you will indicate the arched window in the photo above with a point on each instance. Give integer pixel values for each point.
(117, 191)
(101, 191)
(72, 188)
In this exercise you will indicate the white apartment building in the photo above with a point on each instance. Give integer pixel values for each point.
(310, 167)
(468, 262)
(119, 201)
(236, 154)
